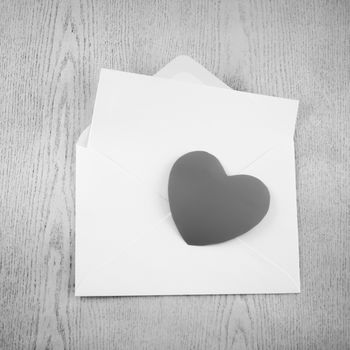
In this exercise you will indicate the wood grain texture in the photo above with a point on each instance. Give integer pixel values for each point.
(51, 52)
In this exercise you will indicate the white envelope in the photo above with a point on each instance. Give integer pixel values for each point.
(126, 240)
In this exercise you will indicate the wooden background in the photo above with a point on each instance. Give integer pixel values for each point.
(51, 53)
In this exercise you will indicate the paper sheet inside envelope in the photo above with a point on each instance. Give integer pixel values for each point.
(126, 241)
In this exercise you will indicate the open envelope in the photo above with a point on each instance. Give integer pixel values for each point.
(126, 240)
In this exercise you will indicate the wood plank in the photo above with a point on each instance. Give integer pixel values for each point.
(51, 53)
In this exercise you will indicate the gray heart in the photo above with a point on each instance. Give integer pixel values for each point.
(210, 207)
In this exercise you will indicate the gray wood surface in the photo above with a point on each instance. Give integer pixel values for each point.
(51, 52)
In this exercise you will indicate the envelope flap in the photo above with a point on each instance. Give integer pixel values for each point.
(146, 123)
(184, 68)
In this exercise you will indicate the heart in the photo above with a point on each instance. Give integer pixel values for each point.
(210, 207)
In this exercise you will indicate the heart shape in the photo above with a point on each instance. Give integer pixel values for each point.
(210, 207)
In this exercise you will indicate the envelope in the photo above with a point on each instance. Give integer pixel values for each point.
(126, 241)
